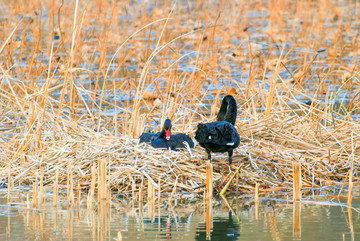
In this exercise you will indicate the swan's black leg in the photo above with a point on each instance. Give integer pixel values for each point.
(209, 154)
(230, 156)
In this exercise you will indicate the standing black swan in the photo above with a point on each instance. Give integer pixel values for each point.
(221, 135)
(164, 139)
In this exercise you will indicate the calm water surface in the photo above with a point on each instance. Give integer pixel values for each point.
(273, 219)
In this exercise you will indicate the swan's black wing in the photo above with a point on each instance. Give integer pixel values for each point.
(160, 143)
(220, 133)
(225, 134)
(203, 132)
(177, 141)
(148, 137)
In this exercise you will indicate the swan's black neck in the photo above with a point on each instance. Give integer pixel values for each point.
(167, 126)
(228, 110)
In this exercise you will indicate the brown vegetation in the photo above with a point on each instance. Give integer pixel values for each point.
(70, 95)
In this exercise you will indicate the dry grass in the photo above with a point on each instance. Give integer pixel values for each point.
(70, 95)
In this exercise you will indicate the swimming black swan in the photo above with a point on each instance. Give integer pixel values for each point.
(221, 135)
(164, 139)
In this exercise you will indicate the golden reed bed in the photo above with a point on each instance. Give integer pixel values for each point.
(62, 74)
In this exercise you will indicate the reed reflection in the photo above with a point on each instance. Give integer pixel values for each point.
(297, 220)
(224, 228)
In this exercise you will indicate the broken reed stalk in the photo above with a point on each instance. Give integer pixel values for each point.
(27, 201)
(257, 192)
(119, 236)
(209, 191)
(150, 198)
(351, 171)
(35, 194)
(70, 188)
(140, 195)
(229, 182)
(41, 192)
(90, 199)
(237, 183)
(209, 181)
(133, 201)
(56, 187)
(102, 186)
(257, 200)
(108, 195)
(78, 196)
(9, 183)
(159, 197)
(296, 181)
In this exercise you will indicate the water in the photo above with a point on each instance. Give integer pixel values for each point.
(273, 219)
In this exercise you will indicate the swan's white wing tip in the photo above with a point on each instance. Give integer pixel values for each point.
(230, 144)
(188, 148)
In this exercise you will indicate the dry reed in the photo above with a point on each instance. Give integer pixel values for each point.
(208, 198)
(41, 188)
(102, 187)
(75, 100)
(297, 181)
(35, 194)
(257, 200)
(55, 188)
(351, 170)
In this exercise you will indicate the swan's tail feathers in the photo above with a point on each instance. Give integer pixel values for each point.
(188, 148)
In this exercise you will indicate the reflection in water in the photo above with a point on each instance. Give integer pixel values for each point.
(224, 228)
(276, 220)
(297, 220)
(350, 224)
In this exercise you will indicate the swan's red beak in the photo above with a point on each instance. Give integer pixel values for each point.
(167, 132)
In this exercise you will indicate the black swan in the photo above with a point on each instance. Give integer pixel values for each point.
(221, 135)
(148, 137)
(164, 139)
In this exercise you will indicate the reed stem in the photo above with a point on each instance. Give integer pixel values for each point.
(56, 187)
(351, 171)
(296, 181)
(35, 194)
(41, 193)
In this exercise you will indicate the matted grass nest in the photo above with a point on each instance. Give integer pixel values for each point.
(75, 76)
(268, 148)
